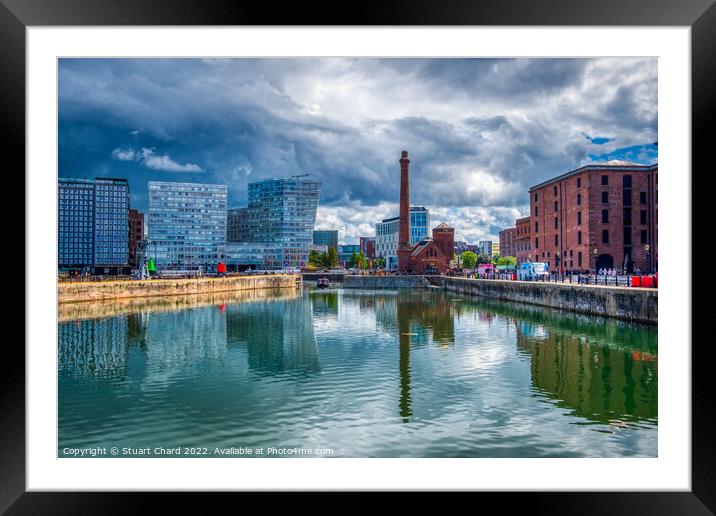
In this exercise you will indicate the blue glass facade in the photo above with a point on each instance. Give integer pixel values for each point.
(187, 225)
(282, 213)
(345, 252)
(327, 237)
(93, 223)
(111, 222)
(75, 223)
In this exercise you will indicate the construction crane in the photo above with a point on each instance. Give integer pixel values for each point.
(299, 175)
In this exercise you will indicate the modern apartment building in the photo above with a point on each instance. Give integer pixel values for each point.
(187, 225)
(93, 225)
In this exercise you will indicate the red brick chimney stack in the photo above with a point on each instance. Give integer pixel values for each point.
(404, 247)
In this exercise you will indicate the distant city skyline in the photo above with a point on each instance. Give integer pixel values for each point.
(480, 132)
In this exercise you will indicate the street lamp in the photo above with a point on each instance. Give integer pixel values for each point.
(594, 252)
(646, 255)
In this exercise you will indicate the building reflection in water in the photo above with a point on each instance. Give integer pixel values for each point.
(175, 332)
(93, 346)
(278, 336)
(419, 319)
(324, 302)
(602, 383)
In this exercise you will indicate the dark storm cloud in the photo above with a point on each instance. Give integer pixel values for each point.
(479, 132)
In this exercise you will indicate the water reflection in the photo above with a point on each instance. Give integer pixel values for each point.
(95, 347)
(277, 335)
(324, 303)
(604, 370)
(601, 383)
(275, 328)
(369, 373)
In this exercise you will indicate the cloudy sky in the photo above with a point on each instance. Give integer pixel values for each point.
(479, 132)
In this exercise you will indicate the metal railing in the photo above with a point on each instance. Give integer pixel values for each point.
(578, 279)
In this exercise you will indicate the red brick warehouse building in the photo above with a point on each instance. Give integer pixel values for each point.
(508, 240)
(523, 240)
(602, 215)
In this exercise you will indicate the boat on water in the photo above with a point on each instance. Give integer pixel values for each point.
(323, 283)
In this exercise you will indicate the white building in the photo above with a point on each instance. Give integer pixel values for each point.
(386, 234)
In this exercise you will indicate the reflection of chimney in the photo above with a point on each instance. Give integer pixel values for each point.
(404, 247)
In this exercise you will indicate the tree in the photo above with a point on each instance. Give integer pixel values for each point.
(315, 258)
(355, 260)
(362, 261)
(469, 259)
(331, 257)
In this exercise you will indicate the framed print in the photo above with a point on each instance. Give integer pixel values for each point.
(419, 252)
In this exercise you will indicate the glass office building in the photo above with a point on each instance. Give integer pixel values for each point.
(327, 237)
(282, 213)
(75, 223)
(187, 225)
(386, 234)
(93, 224)
(111, 222)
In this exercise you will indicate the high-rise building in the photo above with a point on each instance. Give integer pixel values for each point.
(75, 218)
(187, 225)
(93, 225)
(599, 216)
(386, 234)
(136, 234)
(111, 223)
(281, 214)
(327, 237)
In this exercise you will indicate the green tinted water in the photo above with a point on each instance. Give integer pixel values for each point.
(353, 374)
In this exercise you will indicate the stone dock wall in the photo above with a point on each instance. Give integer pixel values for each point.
(103, 290)
(631, 304)
(380, 282)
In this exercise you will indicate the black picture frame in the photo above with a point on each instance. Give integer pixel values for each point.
(700, 15)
